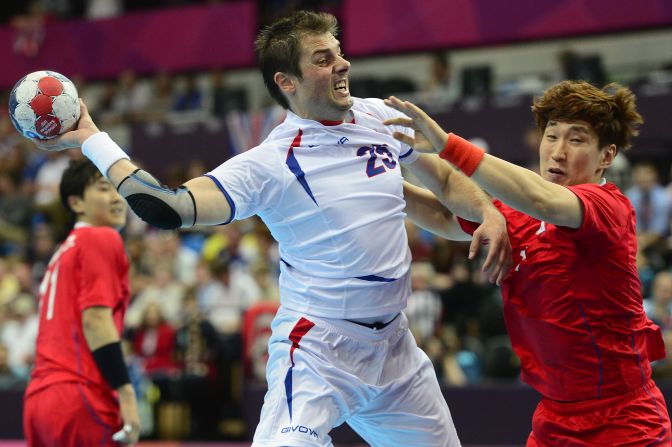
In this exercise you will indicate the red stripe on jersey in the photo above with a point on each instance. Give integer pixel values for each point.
(300, 329)
(295, 143)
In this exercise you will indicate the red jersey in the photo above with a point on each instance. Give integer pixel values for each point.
(573, 304)
(90, 268)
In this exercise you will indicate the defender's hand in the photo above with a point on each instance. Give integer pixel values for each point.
(429, 137)
(493, 232)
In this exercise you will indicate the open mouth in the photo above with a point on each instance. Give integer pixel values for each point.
(556, 171)
(341, 86)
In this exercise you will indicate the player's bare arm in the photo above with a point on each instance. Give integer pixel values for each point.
(425, 210)
(520, 188)
(198, 201)
(103, 341)
(464, 198)
(99, 328)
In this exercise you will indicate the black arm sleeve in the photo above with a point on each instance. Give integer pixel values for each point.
(111, 364)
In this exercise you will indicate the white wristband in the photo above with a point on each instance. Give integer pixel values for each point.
(102, 151)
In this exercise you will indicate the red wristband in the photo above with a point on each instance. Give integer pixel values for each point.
(464, 155)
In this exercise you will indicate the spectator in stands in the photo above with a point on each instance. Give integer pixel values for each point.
(42, 246)
(19, 334)
(168, 246)
(226, 295)
(104, 104)
(161, 100)
(651, 203)
(48, 178)
(424, 305)
(439, 89)
(419, 243)
(658, 306)
(9, 286)
(162, 289)
(131, 97)
(8, 377)
(267, 280)
(190, 97)
(652, 207)
(198, 351)
(531, 139)
(30, 29)
(225, 99)
(15, 216)
(154, 343)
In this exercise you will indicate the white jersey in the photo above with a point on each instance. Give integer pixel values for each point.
(332, 196)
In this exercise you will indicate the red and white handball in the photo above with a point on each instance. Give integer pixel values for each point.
(43, 105)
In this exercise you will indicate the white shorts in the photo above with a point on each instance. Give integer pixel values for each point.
(324, 372)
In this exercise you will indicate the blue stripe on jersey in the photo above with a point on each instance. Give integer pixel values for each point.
(406, 154)
(376, 278)
(288, 389)
(232, 204)
(596, 347)
(293, 165)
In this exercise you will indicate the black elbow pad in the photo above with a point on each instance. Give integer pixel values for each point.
(156, 204)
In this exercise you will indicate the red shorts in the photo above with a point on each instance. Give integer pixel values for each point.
(636, 419)
(70, 414)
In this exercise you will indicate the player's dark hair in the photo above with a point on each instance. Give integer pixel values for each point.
(611, 111)
(278, 48)
(79, 174)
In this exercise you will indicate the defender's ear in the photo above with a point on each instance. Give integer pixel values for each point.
(76, 204)
(608, 155)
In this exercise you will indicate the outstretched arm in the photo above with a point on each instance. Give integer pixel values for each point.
(425, 209)
(198, 201)
(518, 187)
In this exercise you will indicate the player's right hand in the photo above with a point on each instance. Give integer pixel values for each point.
(493, 232)
(128, 405)
(73, 138)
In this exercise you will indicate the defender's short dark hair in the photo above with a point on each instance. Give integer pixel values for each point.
(79, 174)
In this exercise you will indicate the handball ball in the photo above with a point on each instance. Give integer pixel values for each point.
(43, 105)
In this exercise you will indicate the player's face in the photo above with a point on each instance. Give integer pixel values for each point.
(101, 205)
(322, 93)
(570, 154)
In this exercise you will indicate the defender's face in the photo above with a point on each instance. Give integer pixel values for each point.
(322, 93)
(569, 154)
(101, 205)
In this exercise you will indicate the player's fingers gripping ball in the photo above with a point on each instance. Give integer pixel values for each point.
(43, 105)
